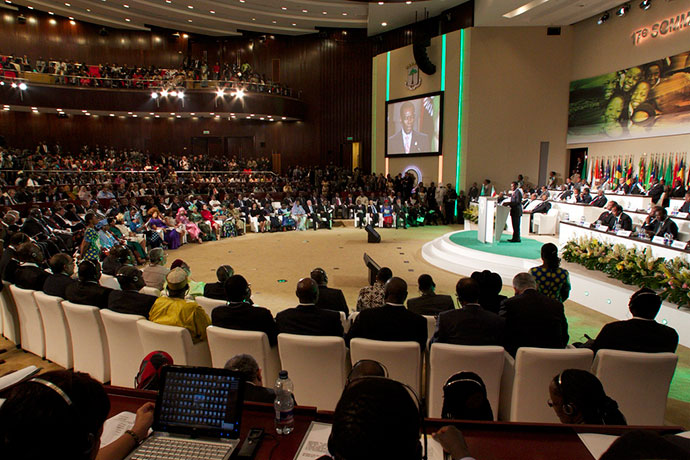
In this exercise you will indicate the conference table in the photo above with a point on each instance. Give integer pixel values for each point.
(486, 440)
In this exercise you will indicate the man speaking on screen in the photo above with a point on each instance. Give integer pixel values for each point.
(408, 140)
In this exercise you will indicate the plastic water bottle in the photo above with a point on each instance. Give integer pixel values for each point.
(284, 404)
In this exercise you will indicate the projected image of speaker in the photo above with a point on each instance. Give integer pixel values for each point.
(372, 235)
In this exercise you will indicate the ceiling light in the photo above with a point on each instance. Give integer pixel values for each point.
(241, 1)
(190, 7)
(34, 108)
(67, 4)
(13, 85)
(178, 116)
(129, 113)
(380, 3)
(87, 114)
(30, 7)
(135, 115)
(284, 8)
(645, 4)
(253, 19)
(84, 111)
(128, 20)
(126, 5)
(344, 13)
(324, 12)
(164, 93)
(73, 23)
(211, 11)
(305, 11)
(192, 114)
(284, 118)
(185, 36)
(111, 114)
(294, 24)
(408, 2)
(154, 95)
(524, 8)
(623, 9)
(50, 13)
(189, 20)
(384, 24)
(603, 18)
(22, 86)
(274, 21)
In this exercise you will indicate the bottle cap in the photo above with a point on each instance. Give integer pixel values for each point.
(283, 374)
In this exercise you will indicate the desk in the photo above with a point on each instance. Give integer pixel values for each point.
(487, 440)
(631, 202)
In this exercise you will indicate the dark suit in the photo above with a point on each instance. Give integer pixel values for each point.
(492, 303)
(215, 291)
(655, 192)
(624, 222)
(332, 299)
(599, 201)
(542, 208)
(685, 207)
(607, 218)
(309, 320)
(56, 285)
(668, 226)
(256, 393)
(471, 325)
(431, 304)
(8, 254)
(131, 302)
(88, 294)
(516, 212)
(30, 277)
(244, 316)
(534, 320)
(637, 334)
(419, 143)
(392, 323)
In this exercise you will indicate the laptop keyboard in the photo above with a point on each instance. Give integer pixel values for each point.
(161, 448)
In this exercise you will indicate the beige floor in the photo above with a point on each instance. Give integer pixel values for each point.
(268, 259)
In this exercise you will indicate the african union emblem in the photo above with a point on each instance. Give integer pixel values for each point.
(414, 78)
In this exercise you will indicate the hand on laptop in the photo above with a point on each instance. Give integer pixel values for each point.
(143, 420)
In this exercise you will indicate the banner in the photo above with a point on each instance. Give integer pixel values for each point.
(647, 100)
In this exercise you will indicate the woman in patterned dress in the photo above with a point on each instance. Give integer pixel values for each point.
(552, 280)
(90, 249)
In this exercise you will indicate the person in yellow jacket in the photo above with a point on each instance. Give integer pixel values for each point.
(175, 310)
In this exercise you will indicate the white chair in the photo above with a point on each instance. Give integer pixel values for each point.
(10, 319)
(109, 281)
(208, 304)
(446, 360)
(525, 381)
(226, 343)
(311, 359)
(402, 359)
(176, 341)
(639, 382)
(430, 327)
(89, 341)
(30, 321)
(124, 346)
(545, 224)
(150, 291)
(57, 335)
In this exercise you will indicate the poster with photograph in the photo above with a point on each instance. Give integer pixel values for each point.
(646, 100)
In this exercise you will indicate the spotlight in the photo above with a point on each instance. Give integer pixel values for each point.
(645, 4)
(14, 85)
(164, 93)
(173, 93)
(623, 9)
(22, 86)
(604, 18)
(239, 93)
(220, 92)
(180, 95)
(154, 95)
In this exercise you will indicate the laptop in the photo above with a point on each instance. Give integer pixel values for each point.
(197, 415)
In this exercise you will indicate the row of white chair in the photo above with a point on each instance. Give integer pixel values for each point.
(110, 346)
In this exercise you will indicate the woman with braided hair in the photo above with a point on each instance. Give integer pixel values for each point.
(578, 397)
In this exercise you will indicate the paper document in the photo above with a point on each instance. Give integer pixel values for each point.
(116, 426)
(596, 443)
(315, 443)
(15, 377)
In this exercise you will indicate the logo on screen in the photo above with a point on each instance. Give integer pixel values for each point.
(414, 77)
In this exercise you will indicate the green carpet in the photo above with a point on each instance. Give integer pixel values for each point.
(527, 249)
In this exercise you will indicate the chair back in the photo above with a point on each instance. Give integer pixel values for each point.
(226, 343)
(109, 281)
(124, 346)
(57, 334)
(30, 321)
(177, 341)
(89, 341)
(310, 359)
(430, 326)
(530, 375)
(10, 320)
(402, 359)
(639, 382)
(445, 360)
(148, 290)
(208, 304)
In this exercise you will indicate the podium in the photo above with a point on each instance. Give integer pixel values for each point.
(492, 219)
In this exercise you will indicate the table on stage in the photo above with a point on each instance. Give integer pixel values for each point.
(486, 440)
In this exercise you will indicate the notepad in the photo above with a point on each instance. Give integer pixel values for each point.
(16, 377)
(597, 443)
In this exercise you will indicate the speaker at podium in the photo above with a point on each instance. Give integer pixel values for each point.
(492, 219)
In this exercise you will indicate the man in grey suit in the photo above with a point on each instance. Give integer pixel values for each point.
(408, 140)
(429, 303)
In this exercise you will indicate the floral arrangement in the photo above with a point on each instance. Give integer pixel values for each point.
(471, 214)
(633, 266)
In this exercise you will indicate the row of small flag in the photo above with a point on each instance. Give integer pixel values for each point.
(672, 167)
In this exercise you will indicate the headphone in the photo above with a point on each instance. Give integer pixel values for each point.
(568, 408)
(96, 267)
(359, 363)
(324, 277)
(124, 277)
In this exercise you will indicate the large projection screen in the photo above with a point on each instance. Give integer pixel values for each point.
(414, 125)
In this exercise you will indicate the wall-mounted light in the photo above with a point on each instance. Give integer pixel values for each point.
(623, 9)
(645, 4)
(603, 18)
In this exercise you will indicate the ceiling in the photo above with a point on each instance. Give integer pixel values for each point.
(298, 17)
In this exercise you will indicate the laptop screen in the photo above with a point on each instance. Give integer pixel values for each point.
(199, 401)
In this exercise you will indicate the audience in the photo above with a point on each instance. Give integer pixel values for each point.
(392, 321)
(174, 310)
(9, 255)
(577, 396)
(217, 290)
(329, 298)
(429, 303)
(156, 271)
(374, 296)
(366, 368)
(490, 286)
(306, 318)
(533, 319)
(87, 291)
(471, 324)
(118, 257)
(128, 299)
(552, 280)
(29, 275)
(241, 314)
(62, 267)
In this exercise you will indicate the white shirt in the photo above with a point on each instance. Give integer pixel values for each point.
(407, 140)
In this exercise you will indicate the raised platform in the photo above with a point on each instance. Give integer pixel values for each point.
(607, 298)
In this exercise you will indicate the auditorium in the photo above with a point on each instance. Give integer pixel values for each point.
(345, 229)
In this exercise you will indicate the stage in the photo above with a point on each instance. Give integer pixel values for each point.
(461, 253)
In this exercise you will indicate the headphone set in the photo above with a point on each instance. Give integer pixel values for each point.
(324, 276)
(568, 408)
(96, 267)
(123, 277)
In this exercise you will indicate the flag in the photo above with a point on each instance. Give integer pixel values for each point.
(680, 174)
(668, 174)
(584, 169)
(641, 171)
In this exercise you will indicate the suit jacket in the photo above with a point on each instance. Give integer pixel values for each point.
(599, 201)
(393, 323)
(637, 334)
(257, 393)
(516, 203)
(245, 317)
(332, 299)
(30, 277)
(419, 143)
(471, 325)
(607, 218)
(542, 208)
(667, 226)
(685, 207)
(131, 302)
(309, 320)
(430, 305)
(655, 192)
(624, 222)
(7, 255)
(215, 291)
(56, 285)
(33, 227)
(88, 294)
(534, 320)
